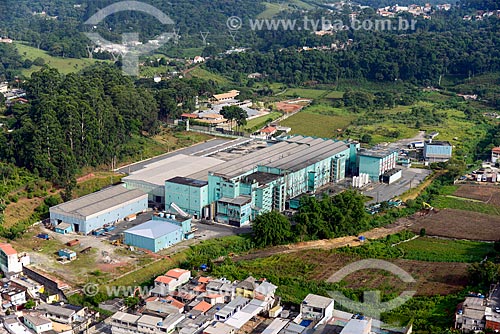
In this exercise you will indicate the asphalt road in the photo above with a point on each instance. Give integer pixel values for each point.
(187, 151)
(384, 192)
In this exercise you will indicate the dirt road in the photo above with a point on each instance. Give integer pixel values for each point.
(353, 241)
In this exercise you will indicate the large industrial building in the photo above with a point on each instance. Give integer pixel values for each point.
(261, 180)
(105, 207)
(437, 151)
(376, 162)
(151, 179)
(159, 233)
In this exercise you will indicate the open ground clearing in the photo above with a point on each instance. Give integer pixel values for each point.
(459, 224)
(485, 193)
(319, 265)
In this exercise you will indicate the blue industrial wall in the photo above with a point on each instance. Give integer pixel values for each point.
(154, 245)
(109, 217)
(444, 151)
(189, 198)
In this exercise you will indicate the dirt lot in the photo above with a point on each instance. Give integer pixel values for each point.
(319, 265)
(432, 277)
(460, 225)
(485, 193)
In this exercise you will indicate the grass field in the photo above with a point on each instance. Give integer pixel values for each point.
(441, 250)
(63, 65)
(312, 124)
(465, 204)
(206, 75)
(305, 93)
(272, 9)
(261, 121)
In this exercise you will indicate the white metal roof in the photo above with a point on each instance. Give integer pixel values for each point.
(179, 165)
(153, 229)
(98, 202)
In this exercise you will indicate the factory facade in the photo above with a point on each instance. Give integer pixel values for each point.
(436, 151)
(94, 211)
(376, 162)
(238, 190)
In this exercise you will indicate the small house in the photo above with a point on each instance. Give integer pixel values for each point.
(63, 228)
(67, 253)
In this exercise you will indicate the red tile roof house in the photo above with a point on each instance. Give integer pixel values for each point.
(268, 131)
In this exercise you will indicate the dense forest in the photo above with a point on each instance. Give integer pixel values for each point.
(420, 57)
(87, 119)
(60, 29)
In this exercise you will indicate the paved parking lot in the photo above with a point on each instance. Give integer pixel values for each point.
(384, 192)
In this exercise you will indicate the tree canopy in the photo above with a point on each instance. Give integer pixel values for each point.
(271, 229)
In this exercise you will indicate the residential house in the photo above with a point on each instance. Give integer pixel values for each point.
(471, 315)
(219, 328)
(11, 263)
(37, 322)
(268, 131)
(255, 75)
(125, 323)
(221, 287)
(64, 313)
(246, 287)
(113, 305)
(213, 298)
(202, 307)
(231, 308)
(265, 291)
(495, 155)
(231, 95)
(182, 276)
(13, 295)
(164, 285)
(358, 326)
(316, 308)
(14, 326)
(160, 307)
(198, 60)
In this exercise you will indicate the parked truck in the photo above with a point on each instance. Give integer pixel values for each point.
(416, 144)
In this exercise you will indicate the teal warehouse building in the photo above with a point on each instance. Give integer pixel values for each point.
(238, 190)
(376, 162)
(159, 233)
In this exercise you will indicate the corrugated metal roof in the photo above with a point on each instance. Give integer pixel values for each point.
(98, 202)
(292, 155)
(180, 165)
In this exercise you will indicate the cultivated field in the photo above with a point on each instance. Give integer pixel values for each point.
(487, 194)
(460, 224)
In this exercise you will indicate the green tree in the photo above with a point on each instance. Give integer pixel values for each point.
(271, 229)
(484, 273)
(30, 304)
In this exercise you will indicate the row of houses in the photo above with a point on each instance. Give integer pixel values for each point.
(57, 318)
(47, 313)
(185, 305)
(478, 313)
